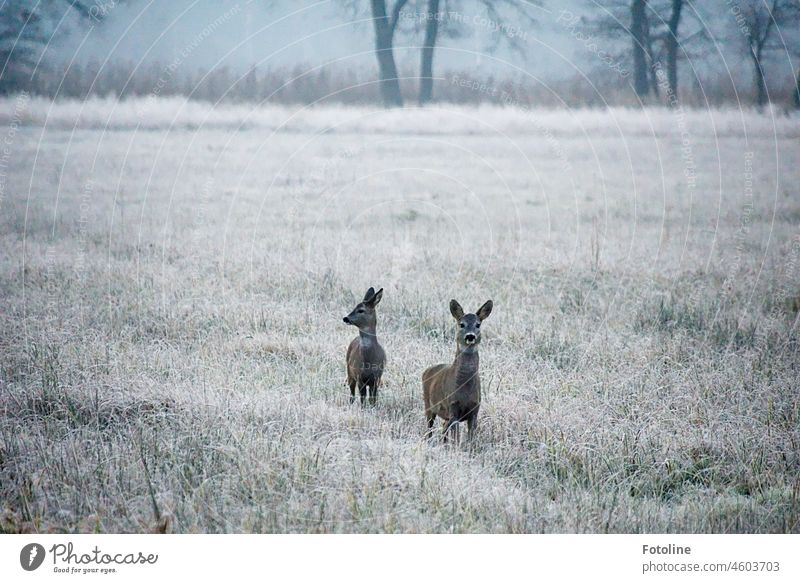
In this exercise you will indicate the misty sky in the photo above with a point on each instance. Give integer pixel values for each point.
(270, 34)
(280, 34)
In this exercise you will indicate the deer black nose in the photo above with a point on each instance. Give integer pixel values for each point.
(346, 320)
(469, 337)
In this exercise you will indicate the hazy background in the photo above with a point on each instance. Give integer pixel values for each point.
(548, 52)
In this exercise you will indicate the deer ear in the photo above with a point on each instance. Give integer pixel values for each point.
(376, 298)
(456, 310)
(368, 295)
(484, 311)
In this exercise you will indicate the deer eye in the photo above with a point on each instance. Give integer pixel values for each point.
(463, 325)
(361, 310)
(477, 325)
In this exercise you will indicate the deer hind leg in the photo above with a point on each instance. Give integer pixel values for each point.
(362, 390)
(450, 425)
(431, 417)
(352, 384)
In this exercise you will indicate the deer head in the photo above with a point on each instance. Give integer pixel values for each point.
(468, 333)
(363, 315)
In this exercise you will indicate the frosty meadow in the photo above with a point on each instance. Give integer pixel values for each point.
(174, 277)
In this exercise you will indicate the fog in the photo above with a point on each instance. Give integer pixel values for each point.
(574, 53)
(305, 33)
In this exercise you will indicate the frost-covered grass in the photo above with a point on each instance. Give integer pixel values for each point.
(172, 295)
(180, 113)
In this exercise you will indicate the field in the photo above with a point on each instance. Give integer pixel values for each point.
(174, 279)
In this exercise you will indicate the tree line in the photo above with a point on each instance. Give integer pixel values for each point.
(644, 50)
(658, 34)
(664, 33)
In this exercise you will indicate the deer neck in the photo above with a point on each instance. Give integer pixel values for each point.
(367, 338)
(466, 365)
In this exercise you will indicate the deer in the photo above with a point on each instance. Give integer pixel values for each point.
(365, 356)
(454, 392)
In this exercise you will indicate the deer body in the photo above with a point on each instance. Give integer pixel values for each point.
(454, 392)
(365, 356)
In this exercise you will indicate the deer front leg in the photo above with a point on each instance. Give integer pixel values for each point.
(362, 390)
(472, 425)
(373, 391)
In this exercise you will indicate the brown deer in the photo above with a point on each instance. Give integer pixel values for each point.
(365, 357)
(454, 392)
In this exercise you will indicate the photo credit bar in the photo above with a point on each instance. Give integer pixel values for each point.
(400, 557)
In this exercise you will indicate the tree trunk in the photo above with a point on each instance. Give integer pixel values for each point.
(384, 35)
(641, 81)
(672, 52)
(651, 68)
(426, 66)
(650, 53)
(761, 87)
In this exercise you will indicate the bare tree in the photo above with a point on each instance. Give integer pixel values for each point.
(506, 18)
(758, 21)
(645, 70)
(640, 39)
(385, 26)
(25, 30)
(676, 43)
(671, 44)
(441, 18)
(21, 34)
(626, 23)
(657, 39)
(433, 16)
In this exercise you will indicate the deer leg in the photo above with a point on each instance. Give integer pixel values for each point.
(373, 391)
(455, 416)
(362, 390)
(472, 425)
(431, 418)
(451, 423)
(352, 384)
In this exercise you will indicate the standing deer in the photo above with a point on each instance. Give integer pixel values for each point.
(454, 392)
(365, 357)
